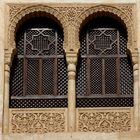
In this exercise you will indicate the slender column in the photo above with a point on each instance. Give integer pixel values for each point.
(6, 99)
(71, 60)
(9, 54)
(136, 93)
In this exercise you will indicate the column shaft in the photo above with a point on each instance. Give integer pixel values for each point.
(6, 100)
(71, 60)
(71, 98)
(136, 96)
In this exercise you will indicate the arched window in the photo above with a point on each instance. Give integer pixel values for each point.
(38, 77)
(104, 70)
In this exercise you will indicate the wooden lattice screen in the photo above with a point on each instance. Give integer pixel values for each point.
(38, 73)
(104, 71)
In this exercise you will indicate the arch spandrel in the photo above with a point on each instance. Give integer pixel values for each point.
(23, 12)
(120, 12)
(71, 26)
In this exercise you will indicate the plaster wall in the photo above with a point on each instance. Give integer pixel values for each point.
(132, 135)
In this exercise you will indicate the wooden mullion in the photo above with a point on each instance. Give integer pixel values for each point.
(88, 65)
(105, 96)
(55, 76)
(87, 42)
(118, 75)
(40, 76)
(48, 56)
(118, 66)
(103, 56)
(39, 97)
(56, 45)
(25, 63)
(103, 76)
(88, 76)
(55, 66)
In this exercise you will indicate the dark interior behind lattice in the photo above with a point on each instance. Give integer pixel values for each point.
(38, 76)
(104, 69)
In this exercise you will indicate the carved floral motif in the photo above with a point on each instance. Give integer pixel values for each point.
(71, 17)
(127, 9)
(111, 121)
(37, 121)
(14, 10)
(71, 14)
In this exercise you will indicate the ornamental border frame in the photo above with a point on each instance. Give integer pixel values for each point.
(71, 28)
(71, 25)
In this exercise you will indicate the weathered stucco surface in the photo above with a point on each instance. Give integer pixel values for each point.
(133, 134)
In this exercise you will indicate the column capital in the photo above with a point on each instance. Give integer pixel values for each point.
(9, 55)
(71, 57)
(7, 63)
(135, 57)
(135, 60)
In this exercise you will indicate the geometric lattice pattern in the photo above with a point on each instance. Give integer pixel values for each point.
(48, 76)
(126, 77)
(16, 77)
(111, 73)
(81, 86)
(104, 71)
(39, 103)
(39, 69)
(95, 65)
(104, 102)
(32, 80)
(62, 77)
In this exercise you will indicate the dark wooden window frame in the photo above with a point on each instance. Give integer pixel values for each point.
(89, 98)
(42, 57)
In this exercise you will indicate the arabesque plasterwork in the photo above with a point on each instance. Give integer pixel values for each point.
(95, 120)
(71, 17)
(37, 120)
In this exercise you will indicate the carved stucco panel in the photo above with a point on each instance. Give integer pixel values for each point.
(71, 17)
(14, 10)
(71, 14)
(37, 120)
(96, 120)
